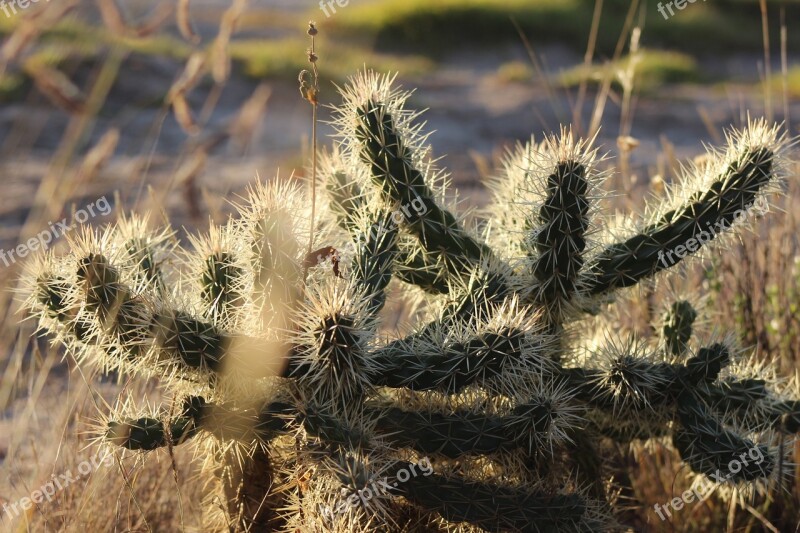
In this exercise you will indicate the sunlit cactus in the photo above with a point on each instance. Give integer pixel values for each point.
(280, 360)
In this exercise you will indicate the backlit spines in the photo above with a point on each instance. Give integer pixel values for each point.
(710, 448)
(145, 248)
(221, 277)
(376, 250)
(336, 330)
(381, 133)
(274, 223)
(542, 217)
(286, 367)
(730, 186)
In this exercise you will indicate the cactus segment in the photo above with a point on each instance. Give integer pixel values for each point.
(374, 260)
(711, 449)
(497, 508)
(390, 161)
(218, 282)
(656, 247)
(560, 238)
(188, 341)
(677, 328)
(410, 365)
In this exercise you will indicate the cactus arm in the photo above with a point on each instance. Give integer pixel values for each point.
(374, 260)
(651, 251)
(416, 269)
(149, 433)
(750, 402)
(101, 286)
(406, 365)
(677, 328)
(224, 421)
(414, 363)
(345, 198)
(495, 508)
(385, 150)
(559, 239)
(218, 285)
(646, 384)
(464, 433)
(708, 447)
(413, 266)
(188, 341)
(451, 436)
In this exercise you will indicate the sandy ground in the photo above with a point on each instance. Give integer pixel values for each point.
(471, 112)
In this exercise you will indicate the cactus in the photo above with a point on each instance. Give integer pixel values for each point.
(307, 403)
(677, 330)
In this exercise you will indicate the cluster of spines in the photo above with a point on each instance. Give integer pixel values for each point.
(749, 169)
(541, 218)
(484, 378)
(379, 133)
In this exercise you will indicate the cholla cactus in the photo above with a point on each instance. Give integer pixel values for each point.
(317, 420)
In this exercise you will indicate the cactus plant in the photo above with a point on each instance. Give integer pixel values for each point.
(309, 405)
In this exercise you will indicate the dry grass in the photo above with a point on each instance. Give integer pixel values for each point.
(48, 403)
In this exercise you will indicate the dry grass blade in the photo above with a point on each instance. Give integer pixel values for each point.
(577, 111)
(767, 60)
(150, 26)
(98, 156)
(785, 70)
(187, 175)
(184, 22)
(192, 72)
(30, 28)
(58, 88)
(13, 46)
(244, 125)
(192, 167)
(114, 20)
(183, 114)
(220, 59)
(605, 88)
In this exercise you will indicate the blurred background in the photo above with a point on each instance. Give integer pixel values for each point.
(175, 106)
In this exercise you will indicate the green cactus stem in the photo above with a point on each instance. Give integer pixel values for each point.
(711, 449)
(653, 249)
(677, 328)
(559, 239)
(386, 152)
(406, 364)
(497, 508)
